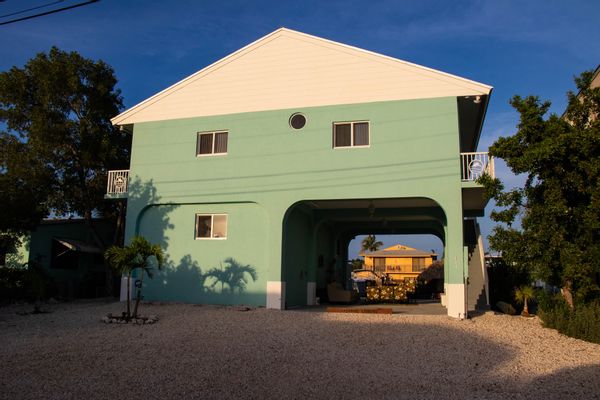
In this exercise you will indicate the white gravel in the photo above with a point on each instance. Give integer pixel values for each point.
(212, 352)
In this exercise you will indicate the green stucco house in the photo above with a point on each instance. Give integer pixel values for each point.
(256, 172)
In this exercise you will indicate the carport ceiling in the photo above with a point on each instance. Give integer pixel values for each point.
(376, 203)
(367, 210)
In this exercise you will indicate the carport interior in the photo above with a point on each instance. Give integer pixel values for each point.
(316, 234)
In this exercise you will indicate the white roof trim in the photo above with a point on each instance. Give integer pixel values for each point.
(127, 117)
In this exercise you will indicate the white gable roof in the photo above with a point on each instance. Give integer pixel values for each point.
(289, 69)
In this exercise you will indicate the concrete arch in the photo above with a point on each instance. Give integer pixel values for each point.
(309, 252)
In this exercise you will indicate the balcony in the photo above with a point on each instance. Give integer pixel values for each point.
(474, 165)
(117, 184)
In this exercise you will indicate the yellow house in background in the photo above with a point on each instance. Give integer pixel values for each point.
(399, 262)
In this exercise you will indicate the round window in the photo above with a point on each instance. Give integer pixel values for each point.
(297, 121)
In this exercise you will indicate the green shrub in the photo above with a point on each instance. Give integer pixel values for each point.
(13, 283)
(583, 322)
(28, 283)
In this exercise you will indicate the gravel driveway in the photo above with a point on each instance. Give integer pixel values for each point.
(220, 352)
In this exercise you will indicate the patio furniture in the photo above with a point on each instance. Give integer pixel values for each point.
(337, 294)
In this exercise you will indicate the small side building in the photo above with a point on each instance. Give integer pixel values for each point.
(70, 256)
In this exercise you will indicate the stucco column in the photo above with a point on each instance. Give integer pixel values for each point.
(455, 265)
(275, 285)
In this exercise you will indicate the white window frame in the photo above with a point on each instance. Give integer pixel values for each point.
(212, 223)
(352, 145)
(214, 143)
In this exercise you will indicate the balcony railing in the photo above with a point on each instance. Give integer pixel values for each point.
(474, 165)
(117, 182)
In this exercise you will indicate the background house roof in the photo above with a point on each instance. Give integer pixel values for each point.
(289, 69)
(399, 251)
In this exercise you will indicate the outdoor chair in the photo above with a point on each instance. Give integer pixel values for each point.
(337, 294)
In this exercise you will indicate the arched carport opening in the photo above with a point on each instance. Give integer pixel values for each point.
(316, 234)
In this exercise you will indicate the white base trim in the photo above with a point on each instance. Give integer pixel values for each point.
(311, 293)
(276, 295)
(123, 294)
(455, 300)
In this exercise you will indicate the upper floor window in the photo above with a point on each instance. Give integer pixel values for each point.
(211, 226)
(351, 134)
(210, 143)
(418, 264)
(379, 264)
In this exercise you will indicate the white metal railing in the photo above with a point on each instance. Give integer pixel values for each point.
(117, 181)
(473, 165)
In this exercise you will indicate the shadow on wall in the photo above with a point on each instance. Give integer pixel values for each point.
(226, 284)
(234, 276)
(185, 280)
(145, 193)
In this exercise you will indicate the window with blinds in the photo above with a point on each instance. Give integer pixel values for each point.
(211, 143)
(351, 134)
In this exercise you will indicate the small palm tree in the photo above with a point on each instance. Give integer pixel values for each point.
(370, 243)
(523, 295)
(131, 257)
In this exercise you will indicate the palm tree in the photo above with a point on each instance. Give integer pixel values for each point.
(370, 243)
(131, 257)
(523, 295)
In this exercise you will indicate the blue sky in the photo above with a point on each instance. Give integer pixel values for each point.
(518, 47)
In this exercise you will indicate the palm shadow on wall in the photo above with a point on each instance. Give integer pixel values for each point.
(184, 280)
(232, 278)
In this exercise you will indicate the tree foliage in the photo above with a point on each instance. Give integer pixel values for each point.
(56, 138)
(523, 295)
(558, 207)
(370, 243)
(357, 263)
(137, 255)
